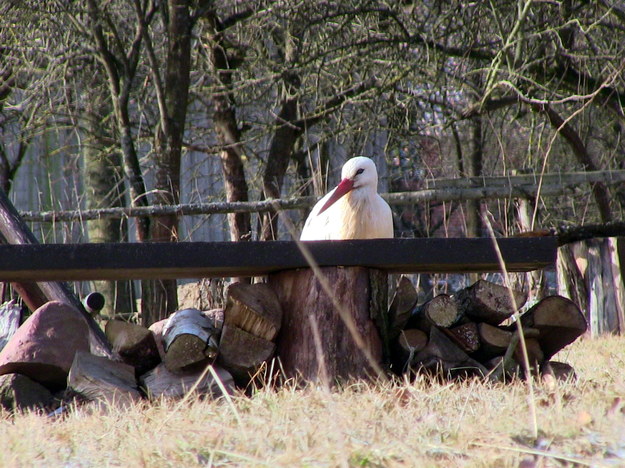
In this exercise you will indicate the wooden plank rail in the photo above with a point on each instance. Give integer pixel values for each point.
(85, 262)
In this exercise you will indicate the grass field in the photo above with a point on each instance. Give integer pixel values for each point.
(423, 424)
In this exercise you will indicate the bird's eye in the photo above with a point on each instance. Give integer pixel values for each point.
(360, 171)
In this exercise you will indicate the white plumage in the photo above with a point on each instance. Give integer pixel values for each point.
(353, 210)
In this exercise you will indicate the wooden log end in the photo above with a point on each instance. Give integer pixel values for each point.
(253, 308)
(488, 302)
(242, 353)
(559, 321)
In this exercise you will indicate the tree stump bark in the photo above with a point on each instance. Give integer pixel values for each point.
(320, 341)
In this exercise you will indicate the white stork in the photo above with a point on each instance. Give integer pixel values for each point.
(353, 210)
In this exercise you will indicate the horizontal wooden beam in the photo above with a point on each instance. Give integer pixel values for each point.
(437, 190)
(84, 262)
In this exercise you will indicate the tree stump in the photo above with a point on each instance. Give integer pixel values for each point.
(315, 342)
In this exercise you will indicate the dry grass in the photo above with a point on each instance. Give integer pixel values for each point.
(419, 424)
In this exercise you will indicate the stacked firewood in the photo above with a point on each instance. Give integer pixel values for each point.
(171, 357)
(475, 332)
(48, 359)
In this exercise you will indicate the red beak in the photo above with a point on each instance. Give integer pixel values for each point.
(341, 189)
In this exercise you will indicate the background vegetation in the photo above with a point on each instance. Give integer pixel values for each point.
(138, 103)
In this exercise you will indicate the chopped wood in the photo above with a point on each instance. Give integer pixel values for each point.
(465, 336)
(253, 308)
(559, 321)
(402, 305)
(508, 364)
(494, 340)
(18, 392)
(10, 317)
(215, 317)
(443, 357)
(159, 382)
(135, 344)
(441, 311)
(558, 370)
(406, 345)
(488, 302)
(102, 380)
(189, 340)
(497, 373)
(535, 354)
(242, 353)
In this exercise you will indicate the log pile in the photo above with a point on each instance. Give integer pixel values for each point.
(203, 352)
(209, 352)
(473, 332)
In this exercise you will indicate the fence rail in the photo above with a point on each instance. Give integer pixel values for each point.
(446, 190)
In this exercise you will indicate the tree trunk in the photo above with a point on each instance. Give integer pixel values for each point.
(317, 342)
(159, 297)
(564, 128)
(227, 131)
(474, 210)
(283, 141)
(104, 189)
(589, 274)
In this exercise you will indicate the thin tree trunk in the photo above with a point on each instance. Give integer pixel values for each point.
(474, 218)
(159, 298)
(283, 141)
(103, 181)
(599, 190)
(228, 133)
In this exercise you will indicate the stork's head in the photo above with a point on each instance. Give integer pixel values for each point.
(358, 174)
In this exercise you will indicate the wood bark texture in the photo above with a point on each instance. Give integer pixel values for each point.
(314, 339)
(102, 380)
(253, 308)
(135, 344)
(189, 340)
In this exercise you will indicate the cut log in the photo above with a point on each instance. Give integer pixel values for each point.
(488, 302)
(559, 321)
(157, 329)
(494, 340)
(496, 370)
(43, 348)
(402, 305)
(508, 364)
(320, 339)
(135, 344)
(10, 317)
(441, 311)
(102, 380)
(558, 371)
(535, 355)
(159, 382)
(242, 353)
(189, 340)
(215, 317)
(444, 358)
(253, 308)
(18, 392)
(465, 336)
(406, 346)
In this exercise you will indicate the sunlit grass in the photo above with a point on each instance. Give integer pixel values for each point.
(423, 423)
